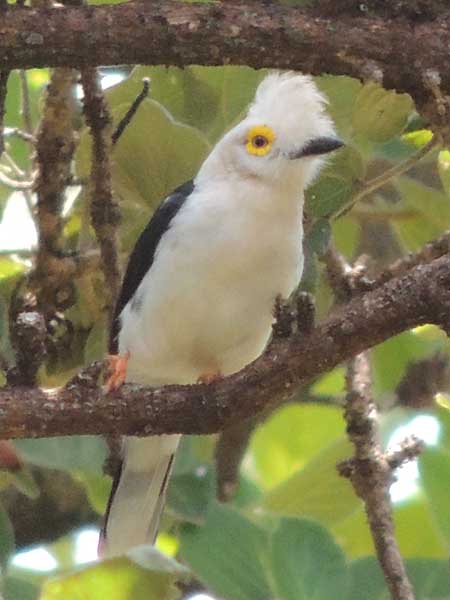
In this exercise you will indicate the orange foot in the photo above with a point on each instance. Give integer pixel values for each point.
(118, 370)
(209, 377)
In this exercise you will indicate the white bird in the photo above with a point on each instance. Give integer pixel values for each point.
(200, 288)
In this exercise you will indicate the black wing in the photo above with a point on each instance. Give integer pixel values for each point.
(143, 254)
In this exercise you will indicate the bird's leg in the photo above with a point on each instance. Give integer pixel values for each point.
(117, 364)
(209, 377)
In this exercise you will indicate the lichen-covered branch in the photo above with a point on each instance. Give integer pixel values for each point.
(55, 145)
(259, 34)
(105, 213)
(420, 296)
(371, 474)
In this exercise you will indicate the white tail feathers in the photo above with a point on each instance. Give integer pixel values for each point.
(138, 499)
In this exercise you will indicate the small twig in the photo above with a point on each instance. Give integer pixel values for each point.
(15, 184)
(345, 280)
(379, 181)
(131, 111)
(23, 135)
(105, 213)
(4, 75)
(26, 106)
(370, 472)
(409, 450)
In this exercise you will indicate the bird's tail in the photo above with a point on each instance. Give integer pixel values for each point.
(138, 493)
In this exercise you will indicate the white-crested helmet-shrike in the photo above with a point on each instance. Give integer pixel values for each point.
(199, 292)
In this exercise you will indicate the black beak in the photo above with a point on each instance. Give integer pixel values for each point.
(321, 145)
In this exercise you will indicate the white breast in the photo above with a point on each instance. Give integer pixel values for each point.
(206, 303)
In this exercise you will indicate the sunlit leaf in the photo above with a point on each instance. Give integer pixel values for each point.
(353, 533)
(290, 438)
(342, 93)
(144, 574)
(316, 491)
(435, 475)
(380, 114)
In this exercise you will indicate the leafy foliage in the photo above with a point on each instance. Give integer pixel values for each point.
(295, 529)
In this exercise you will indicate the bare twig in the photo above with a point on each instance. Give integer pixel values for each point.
(131, 111)
(371, 186)
(421, 296)
(15, 184)
(370, 472)
(105, 213)
(4, 75)
(26, 106)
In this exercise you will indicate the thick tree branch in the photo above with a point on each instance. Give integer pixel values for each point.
(254, 33)
(421, 296)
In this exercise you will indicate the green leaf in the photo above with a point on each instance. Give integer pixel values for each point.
(429, 578)
(97, 342)
(17, 589)
(391, 358)
(7, 543)
(189, 494)
(144, 574)
(317, 491)
(434, 465)
(380, 114)
(292, 437)
(86, 453)
(98, 489)
(432, 210)
(318, 237)
(228, 554)
(342, 93)
(306, 562)
(367, 580)
(335, 187)
(444, 170)
(346, 236)
(331, 384)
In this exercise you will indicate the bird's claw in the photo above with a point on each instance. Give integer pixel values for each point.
(117, 364)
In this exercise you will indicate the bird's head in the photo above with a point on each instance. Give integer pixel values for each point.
(285, 134)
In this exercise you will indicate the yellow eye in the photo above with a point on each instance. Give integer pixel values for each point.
(259, 140)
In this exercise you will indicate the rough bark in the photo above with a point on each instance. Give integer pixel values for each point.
(403, 50)
(420, 296)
